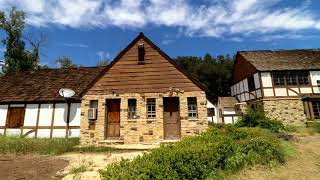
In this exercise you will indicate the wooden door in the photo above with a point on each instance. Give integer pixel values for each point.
(113, 118)
(171, 118)
(15, 117)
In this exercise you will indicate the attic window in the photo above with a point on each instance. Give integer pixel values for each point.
(141, 53)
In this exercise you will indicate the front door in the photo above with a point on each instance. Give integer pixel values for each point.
(113, 118)
(171, 118)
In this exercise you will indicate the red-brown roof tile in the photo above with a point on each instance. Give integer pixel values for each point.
(44, 84)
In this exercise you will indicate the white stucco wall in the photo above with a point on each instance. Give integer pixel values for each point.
(243, 86)
(315, 76)
(45, 119)
(266, 79)
(45, 116)
(215, 117)
(75, 114)
(3, 116)
(30, 118)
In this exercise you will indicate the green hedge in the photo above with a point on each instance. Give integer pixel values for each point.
(212, 153)
(257, 118)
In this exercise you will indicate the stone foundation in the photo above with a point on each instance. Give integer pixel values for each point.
(290, 111)
(141, 130)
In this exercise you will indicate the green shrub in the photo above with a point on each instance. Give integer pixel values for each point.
(257, 118)
(227, 149)
(317, 127)
(18, 145)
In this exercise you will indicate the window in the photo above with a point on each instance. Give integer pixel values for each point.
(303, 78)
(291, 78)
(15, 117)
(151, 108)
(132, 108)
(278, 78)
(251, 83)
(94, 104)
(141, 53)
(316, 109)
(192, 107)
(211, 112)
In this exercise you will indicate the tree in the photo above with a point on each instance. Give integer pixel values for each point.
(16, 57)
(37, 43)
(65, 62)
(214, 73)
(104, 62)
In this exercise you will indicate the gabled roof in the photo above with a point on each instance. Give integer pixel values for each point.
(44, 84)
(229, 101)
(142, 36)
(268, 60)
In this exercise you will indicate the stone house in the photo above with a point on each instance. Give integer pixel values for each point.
(283, 83)
(143, 96)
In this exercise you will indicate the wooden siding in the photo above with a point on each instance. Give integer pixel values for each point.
(156, 75)
(242, 69)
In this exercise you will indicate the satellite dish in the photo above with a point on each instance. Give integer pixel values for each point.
(66, 93)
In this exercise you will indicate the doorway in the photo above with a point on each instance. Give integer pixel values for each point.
(171, 118)
(112, 119)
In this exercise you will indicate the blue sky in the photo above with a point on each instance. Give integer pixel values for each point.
(90, 30)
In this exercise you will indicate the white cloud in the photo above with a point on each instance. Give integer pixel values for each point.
(103, 55)
(218, 18)
(293, 36)
(75, 45)
(236, 39)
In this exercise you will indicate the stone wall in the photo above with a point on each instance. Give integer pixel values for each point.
(141, 130)
(287, 110)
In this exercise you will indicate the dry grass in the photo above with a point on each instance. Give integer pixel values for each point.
(305, 164)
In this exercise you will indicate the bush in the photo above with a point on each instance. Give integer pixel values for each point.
(227, 149)
(317, 127)
(18, 145)
(257, 118)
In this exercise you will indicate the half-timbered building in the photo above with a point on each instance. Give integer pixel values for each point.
(30, 104)
(284, 83)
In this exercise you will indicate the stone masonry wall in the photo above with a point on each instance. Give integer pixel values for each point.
(141, 130)
(287, 110)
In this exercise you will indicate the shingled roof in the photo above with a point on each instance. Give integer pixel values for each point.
(44, 84)
(268, 60)
(227, 101)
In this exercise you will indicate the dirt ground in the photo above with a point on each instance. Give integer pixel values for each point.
(25, 167)
(304, 165)
(91, 163)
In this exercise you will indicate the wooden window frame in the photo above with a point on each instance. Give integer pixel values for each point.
(251, 84)
(132, 108)
(94, 104)
(290, 78)
(211, 112)
(192, 107)
(316, 109)
(278, 78)
(151, 108)
(141, 54)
